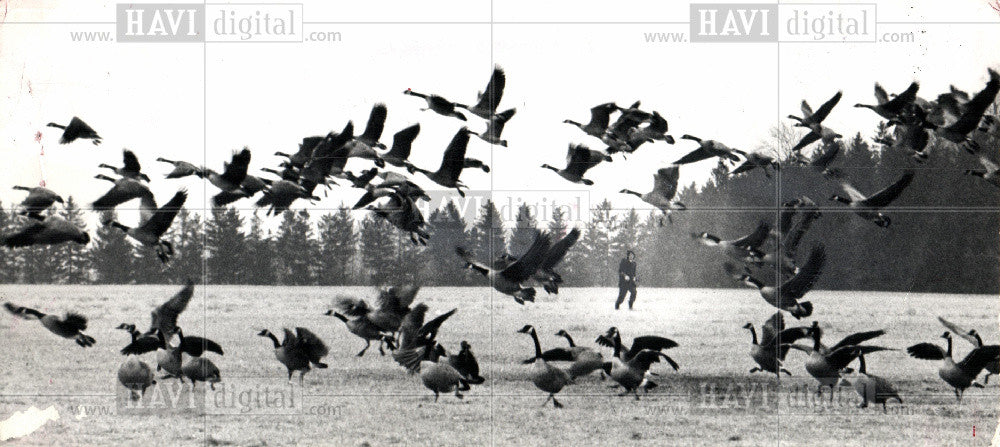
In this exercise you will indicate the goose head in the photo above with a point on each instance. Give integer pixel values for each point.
(126, 327)
(264, 333)
(748, 326)
(465, 346)
(527, 329)
(561, 333)
(946, 335)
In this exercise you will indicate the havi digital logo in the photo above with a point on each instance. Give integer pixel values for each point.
(160, 22)
(733, 22)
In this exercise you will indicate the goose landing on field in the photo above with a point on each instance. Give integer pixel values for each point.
(70, 325)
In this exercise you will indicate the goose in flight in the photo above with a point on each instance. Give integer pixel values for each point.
(280, 195)
(39, 199)
(958, 132)
(329, 157)
(488, 100)
(738, 248)
(440, 105)
(757, 160)
(181, 168)
(507, 280)
(373, 130)
(708, 149)
(452, 163)
(890, 109)
(663, 193)
(787, 296)
(600, 118)
(70, 325)
(579, 159)
(233, 172)
(402, 213)
(546, 274)
(392, 183)
(76, 129)
(130, 167)
(150, 231)
(402, 143)
(164, 316)
(810, 118)
(495, 126)
(868, 207)
(53, 230)
(124, 190)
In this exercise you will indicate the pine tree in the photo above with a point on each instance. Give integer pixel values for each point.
(188, 236)
(296, 252)
(378, 250)
(111, 254)
(73, 263)
(6, 260)
(260, 253)
(338, 245)
(491, 240)
(597, 259)
(523, 234)
(226, 247)
(447, 232)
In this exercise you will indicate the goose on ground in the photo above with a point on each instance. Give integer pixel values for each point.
(708, 149)
(168, 358)
(959, 375)
(628, 368)
(181, 168)
(39, 199)
(298, 351)
(439, 105)
(402, 144)
(890, 109)
(76, 129)
(417, 337)
(200, 369)
(583, 360)
(973, 337)
(872, 388)
(71, 325)
(770, 351)
(365, 329)
(868, 206)
(826, 364)
(650, 342)
(135, 374)
(600, 118)
(579, 159)
(441, 376)
(130, 167)
(279, 196)
(53, 230)
(494, 127)
(452, 163)
(150, 232)
(508, 279)
(663, 193)
(196, 346)
(810, 118)
(547, 378)
(488, 100)
(787, 296)
(738, 248)
(124, 190)
(402, 213)
(466, 364)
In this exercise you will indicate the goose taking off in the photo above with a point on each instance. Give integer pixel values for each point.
(39, 199)
(233, 173)
(130, 167)
(70, 325)
(362, 325)
(150, 231)
(959, 375)
(890, 109)
(181, 168)
(770, 351)
(402, 144)
(958, 132)
(629, 367)
(452, 163)
(786, 297)
(51, 231)
(508, 279)
(402, 213)
(547, 378)
(546, 274)
(826, 364)
(439, 105)
(164, 316)
(600, 118)
(748, 245)
(810, 118)
(663, 193)
(373, 130)
(417, 337)
(708, 149)
(488, 100)
(868, 207)
(494, 127)
(579, 159)
(298, 351)
(973, 337)
(124, 190)
(76, 129)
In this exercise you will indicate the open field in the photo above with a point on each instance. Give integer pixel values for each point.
(712, 400)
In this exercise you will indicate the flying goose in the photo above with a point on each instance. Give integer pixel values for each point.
(867, 207)
(135, 374)
(488, 99)
(71, 325)
(402, 144)
(810, 118)
(959, 375)
(298, 351)
(76, 129)
(508, 279)
(826, 364)
(439, 105)
(738, 248)
(151, 231)
(417, 337)
(786, 297)
(441, 376)
(393, 183)
(361, 180)
(39, 199)
(280, 195)
(822, 160)
(872, 388)
(890, 109)
(328, 158)
(547, 378)
(200, 369)
(600, 117)
(664, 191)
(452, 163)
(958, 132)
(181, 168)
(757, 160)
(304, 154)
(51, 231)
(494, 127)
(579, 159)
(233, 173)
(546, 274)
(164, 317)
(708, 149)
(130, 167)
(402, 213)
(251, 185)
(124, 190)
(374, 128)
(770, 351)
(656, 130)
(973, 337)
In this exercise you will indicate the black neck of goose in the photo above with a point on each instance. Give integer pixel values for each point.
(58, 126)
(569, 340)
(948, 352)
(135, 334)
(273, 340)
(816, 336)
(979, 340)
(634, 193)
(618, 343)
(861, 364)
(753, 335)
(538, 346)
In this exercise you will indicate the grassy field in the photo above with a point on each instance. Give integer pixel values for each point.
(712, 400)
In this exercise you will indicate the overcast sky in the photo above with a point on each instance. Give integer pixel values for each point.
(201, 102)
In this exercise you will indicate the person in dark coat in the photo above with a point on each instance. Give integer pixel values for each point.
(626, 280)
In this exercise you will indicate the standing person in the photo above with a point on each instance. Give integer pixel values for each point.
(626, 279)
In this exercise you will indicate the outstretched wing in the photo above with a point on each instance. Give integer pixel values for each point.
(755, 239)
(887, 195)
(490, 98)
(164, 317)
(857, 338)
(798, 285)
(454, 156)
(559, 249)
(402, 142)
(131, 162)
(665, 181)
(959, 331)
(376, 123)
(236, 169)
(528, 263)
(163, 217)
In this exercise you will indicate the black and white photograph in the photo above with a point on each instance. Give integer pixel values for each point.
(499, 223)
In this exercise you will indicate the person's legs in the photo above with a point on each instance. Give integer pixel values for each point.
(631, 295)
(622, 289)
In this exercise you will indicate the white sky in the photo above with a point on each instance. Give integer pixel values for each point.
(200, 102)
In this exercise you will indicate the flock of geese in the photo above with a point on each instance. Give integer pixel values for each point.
(394, 322)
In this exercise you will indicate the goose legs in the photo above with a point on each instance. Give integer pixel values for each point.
(555, 403)
(368, 343)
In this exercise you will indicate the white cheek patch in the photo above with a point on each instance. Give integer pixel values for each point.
(23, 423)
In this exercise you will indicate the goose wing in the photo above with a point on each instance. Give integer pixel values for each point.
(770, 329)
(194, 344)
(26, 236)
(798, 285)
(429, 330)
(490, 97)
(880, 94)
(454, 156)
(402, 142)
(313, 346)
(857, 338)
(164, 216)
(665, 181)
(976, 107)
(559, 249)
(755, 239)
(236, 170)
(600, 115)
(650, 343)
(890, 193)
(142, 345)
(897, 104)
(125, 189)
(976, 360)
(130, 161)
(959, 331)
(528, 263)
(702, 153)
(495, 125)
(348, 305)
(657, 124)
(164, 317)
(471, 262)
(398, 298)
(824, 158)
(820, 114)
(645, 358)
(410, 326)
(579, 159)
(376, 124)
(806, 140)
